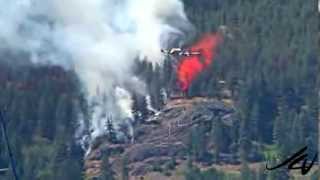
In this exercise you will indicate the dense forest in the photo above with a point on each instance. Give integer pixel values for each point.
(268, 61)
(40, 106)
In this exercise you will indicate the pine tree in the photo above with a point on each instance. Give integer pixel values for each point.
(61, 117)
(297, 132)
(139, 108)
(254, 120)
(192, 172)
(46, 126)
(137, 115)
(280, 128)
(245, 171)
(217, 137)
(111, 133)
(244, 139)
(107, 172)
(311, 125)
(125, 169)
(201, 142)
(261, 175)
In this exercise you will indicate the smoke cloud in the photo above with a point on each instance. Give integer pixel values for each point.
(99, 39)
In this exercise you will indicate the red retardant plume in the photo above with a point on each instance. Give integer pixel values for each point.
(190, 67)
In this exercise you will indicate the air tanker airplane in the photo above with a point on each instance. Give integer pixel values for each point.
(180, 52)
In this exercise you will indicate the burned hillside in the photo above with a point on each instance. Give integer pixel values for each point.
(182, 128)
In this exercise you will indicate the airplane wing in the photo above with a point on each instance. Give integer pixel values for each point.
(191, 53)
(175, 50)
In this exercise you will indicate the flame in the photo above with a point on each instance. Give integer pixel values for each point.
(190, 67)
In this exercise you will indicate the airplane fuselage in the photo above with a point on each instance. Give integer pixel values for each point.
(180, 52)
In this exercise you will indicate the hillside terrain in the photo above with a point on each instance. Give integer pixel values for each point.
(166, 136)
(257, 101)
(179, 134)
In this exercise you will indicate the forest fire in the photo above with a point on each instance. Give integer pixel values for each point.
(190, 67)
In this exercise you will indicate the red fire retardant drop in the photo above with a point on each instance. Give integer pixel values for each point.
(191, 66)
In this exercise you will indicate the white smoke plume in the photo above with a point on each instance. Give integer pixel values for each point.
(149, 104)
(99, 39)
